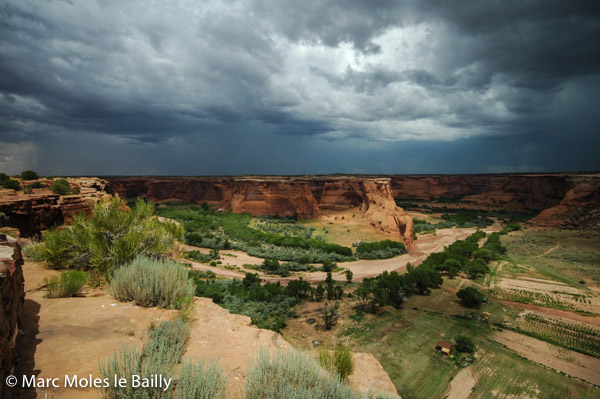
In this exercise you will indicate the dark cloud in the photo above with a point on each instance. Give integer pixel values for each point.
(242, 87)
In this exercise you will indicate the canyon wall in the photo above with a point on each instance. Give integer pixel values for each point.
(42, 209)
(567, 199)
(560, 200)
(301, 197)
(11, 305)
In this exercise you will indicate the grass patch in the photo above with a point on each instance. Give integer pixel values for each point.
(67, 285)
(576, 257)
(403, 341)
(338, 361)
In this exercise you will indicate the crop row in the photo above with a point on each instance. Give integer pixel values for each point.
(534, 298)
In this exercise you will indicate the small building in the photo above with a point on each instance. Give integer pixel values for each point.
(443, 346)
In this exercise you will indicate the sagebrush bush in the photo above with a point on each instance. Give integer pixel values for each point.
(339, 361)
(200, 381)
(152, 282)
(168, 341)
(68, 284)
(293, 375)
(111, 237)
(160, 356)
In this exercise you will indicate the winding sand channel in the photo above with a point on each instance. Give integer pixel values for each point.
(419, 251)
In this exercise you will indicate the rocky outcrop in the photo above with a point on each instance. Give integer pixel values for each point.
(40, 210)
(381, 210)
(11, 306)
(301, 197)
(230, 339)
(507, 192)
(579, 208)
(562, 200)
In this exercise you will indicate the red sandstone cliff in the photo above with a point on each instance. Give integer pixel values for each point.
(565, 200)
(33, 213)
(302, 197)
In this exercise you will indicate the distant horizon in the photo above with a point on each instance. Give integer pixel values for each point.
(101, 176)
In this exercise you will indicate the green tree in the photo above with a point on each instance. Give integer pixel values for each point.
(3, 178)
(470, 297)
(319, 292)
(464, 344)
(349, 275)
(11, 184)
(29, 175)
(329, 314)
(61, 187)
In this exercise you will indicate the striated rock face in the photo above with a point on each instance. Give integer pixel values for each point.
(11, 306)
(579, 208)
(565, 200)
(302, 197)
(33, 213)
(508, 192)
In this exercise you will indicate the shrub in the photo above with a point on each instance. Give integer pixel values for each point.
(113, 236)
(464, 344)
(329, 314)
(150, 282)
(380, 249)
(160, 355)
(29, 175)
(11, 184)
(339, 361)
(3, 178)
(167, 342)
(37, 184)
(61, 187)
(470, 297)
(200, 381)
(293, 375)
(27, 190)
(69, 284)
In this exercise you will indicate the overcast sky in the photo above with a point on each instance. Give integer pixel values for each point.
(189, 87)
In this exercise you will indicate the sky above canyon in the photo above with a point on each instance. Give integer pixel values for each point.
(298, 87)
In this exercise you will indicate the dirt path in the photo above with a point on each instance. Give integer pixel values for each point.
(462, 384)
(572, 363)
(554, 248)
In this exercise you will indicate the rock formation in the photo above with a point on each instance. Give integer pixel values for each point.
(301, 197)
(33, 213)
(11, 306)
(562, 200)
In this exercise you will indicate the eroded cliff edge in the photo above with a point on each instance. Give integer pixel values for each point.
(567, 200)
(11, 305)
(301, 197)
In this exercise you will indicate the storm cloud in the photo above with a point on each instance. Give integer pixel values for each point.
(277, 86)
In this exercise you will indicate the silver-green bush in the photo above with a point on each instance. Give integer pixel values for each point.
(293, 375)
(152, 282)
(200, 381)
